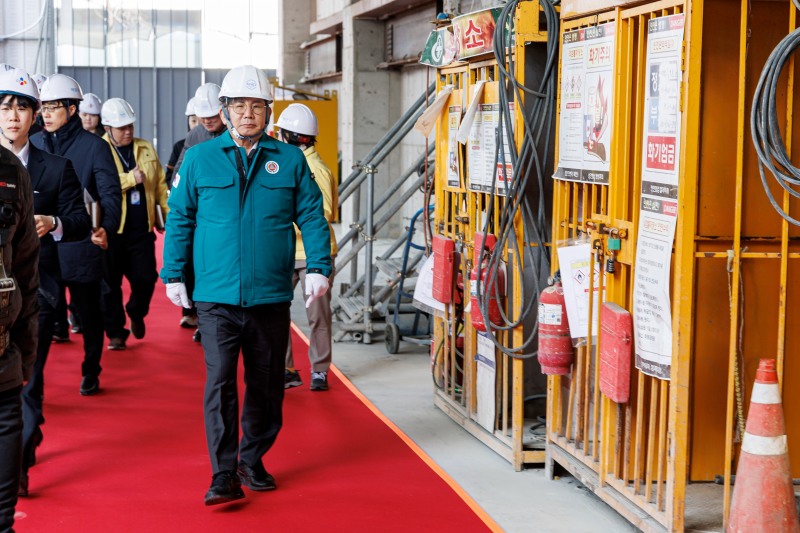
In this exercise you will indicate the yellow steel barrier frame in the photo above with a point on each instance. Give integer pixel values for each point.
(633, 456)
(457, 215)
(671, 432)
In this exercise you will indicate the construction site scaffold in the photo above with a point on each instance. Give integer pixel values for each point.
(621, 152)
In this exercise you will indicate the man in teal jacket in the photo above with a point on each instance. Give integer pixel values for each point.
(232, 207)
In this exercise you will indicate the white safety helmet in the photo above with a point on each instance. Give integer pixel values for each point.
(206, 100)
(117, 113)
(246, 81)
(19, 83)
(190, 108)
(298, 118)
(91, 104)
(39, 79)
(60, 87)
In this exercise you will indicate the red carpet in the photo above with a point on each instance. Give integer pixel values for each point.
(134, 459)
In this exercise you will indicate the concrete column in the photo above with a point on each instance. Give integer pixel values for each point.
(366, 94)
(295, 17)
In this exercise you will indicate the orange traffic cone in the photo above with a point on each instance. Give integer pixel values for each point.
(763, 496)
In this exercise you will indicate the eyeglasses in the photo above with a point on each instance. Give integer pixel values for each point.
(240, 107)
(51, 108)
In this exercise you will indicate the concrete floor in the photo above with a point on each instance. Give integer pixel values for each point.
(400, 386)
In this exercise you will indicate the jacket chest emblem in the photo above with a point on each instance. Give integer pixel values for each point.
(272, 167)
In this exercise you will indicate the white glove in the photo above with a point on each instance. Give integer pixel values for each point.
(316, 286)
(176, 292)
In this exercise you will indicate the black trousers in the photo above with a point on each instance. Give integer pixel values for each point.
(132, 255)
(260, 334)
(86, 299)
(10, 454)
(33, 391)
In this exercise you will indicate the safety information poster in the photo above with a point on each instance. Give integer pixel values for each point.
(453, 121)
(658, 208)
(481, 146)
(587, 92)
(576, 266)
(485, 382)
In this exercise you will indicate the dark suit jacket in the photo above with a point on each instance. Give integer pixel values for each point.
(82, 261)
(56, 192)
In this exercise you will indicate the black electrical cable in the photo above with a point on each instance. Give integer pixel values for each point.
(765, 128)
(519, 181)
(537, 128)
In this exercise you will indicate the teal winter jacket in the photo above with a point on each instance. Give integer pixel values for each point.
(238, 232)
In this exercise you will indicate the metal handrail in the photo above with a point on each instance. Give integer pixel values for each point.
(413, 112)
(395, 186)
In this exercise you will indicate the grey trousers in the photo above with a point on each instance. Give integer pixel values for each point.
(320, 351)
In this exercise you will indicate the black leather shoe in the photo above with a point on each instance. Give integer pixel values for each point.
(225, 487)
(256, 478)
(90, 385)
(137, 329)
(197, 337)
(116, 344)
(29, 456)
(22, 491)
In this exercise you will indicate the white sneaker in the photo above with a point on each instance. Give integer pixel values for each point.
(319, 381)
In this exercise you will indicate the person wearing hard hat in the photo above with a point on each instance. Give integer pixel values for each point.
(89, 111)
(59, 215)
(206, 104)
(83, 262)
(39, 79)
(232, 208)
(132, 249)
(177, 148)
(298, 126)
(17, 321)
(207, 108)
(188, 316)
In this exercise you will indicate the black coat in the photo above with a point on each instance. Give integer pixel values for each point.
(177, 149)
(82, 261)
(57, 192)
(20, 259)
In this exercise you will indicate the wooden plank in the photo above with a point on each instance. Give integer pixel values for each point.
(613, 497)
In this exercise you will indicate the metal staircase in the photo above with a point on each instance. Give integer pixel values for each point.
(362, 300)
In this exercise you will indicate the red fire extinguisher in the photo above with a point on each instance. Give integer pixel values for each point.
(491, 285)
(555, 344)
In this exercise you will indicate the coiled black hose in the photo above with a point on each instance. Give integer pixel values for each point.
(765, 128)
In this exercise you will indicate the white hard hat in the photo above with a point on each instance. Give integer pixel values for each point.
(39, 79)
(246, 82)
(60, 87)
(190, 108)
(91, 104)
(298, 118)
(19, 83)
(206, 100)
(117, 113)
